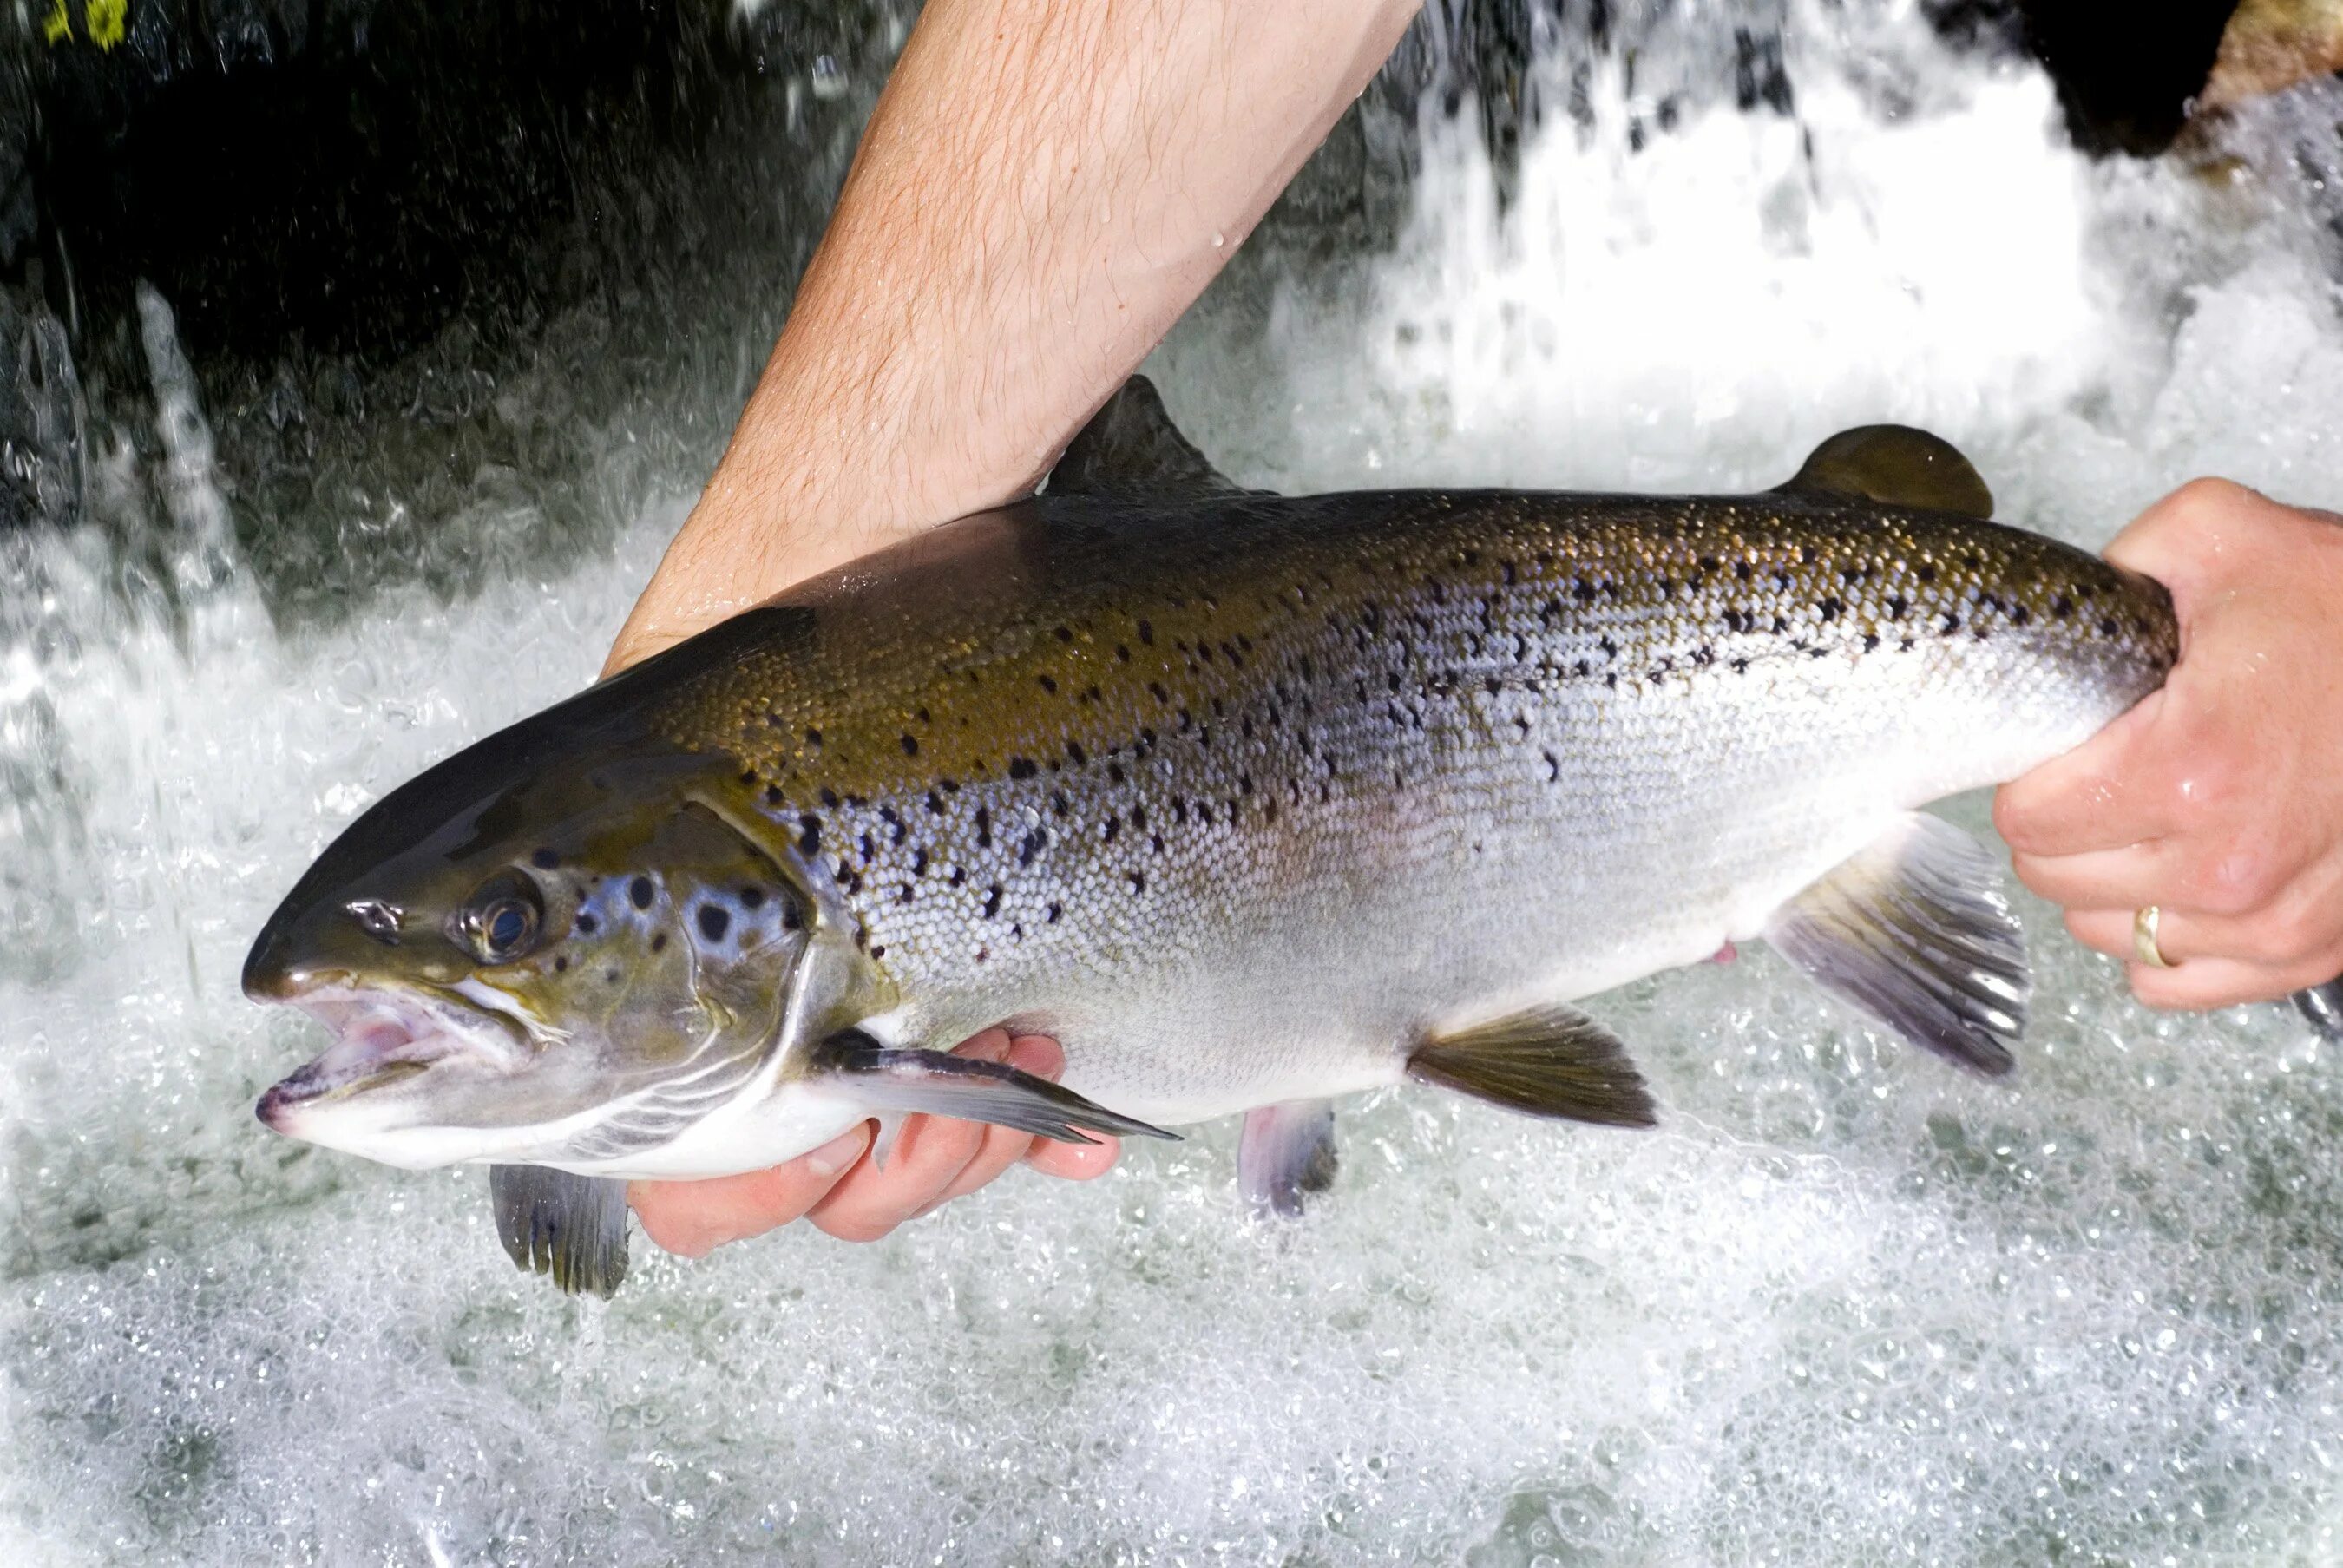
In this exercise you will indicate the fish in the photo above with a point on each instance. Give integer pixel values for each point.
(1251, 802)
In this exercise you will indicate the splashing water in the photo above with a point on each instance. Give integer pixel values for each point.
(1843, 1307)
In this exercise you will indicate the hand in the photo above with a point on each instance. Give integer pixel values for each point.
(839, 1186)
(2219, 798)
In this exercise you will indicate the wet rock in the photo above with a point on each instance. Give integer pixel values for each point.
(2270, 46)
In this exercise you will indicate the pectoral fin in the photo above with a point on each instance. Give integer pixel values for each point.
(888, 1080)
(1285, 1151)
(1913, 931)
(573, 1228)
(1547, 1060)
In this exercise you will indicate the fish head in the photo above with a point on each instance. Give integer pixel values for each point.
(552, 963)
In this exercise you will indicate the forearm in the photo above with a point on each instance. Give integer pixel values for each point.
(1043, 189)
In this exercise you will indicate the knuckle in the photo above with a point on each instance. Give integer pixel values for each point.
(854, 1227)
(2207, 492)
(2236, 880)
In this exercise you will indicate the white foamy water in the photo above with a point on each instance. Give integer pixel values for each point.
(1845, 1307)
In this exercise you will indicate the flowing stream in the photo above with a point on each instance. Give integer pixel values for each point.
(1845, 1307)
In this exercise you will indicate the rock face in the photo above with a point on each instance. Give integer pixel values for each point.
(2271, 44)
(361, 209)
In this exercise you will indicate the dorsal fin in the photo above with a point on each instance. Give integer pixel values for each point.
(1131, 448)
(1896, 466)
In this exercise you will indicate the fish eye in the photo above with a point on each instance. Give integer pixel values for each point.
(502, 922)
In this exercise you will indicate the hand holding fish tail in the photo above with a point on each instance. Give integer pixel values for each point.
(2219, 801)
(844, 1189)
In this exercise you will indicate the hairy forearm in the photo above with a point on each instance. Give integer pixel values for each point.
(1043, 189)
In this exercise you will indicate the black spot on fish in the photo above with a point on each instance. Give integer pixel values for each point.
(1870, 640)
(1896, 606)
(1952, 623)
(1058, 803)
(2020, 616)
(1122, 652)
(640, 892)
(772, 794)
(1031, 846)
(984, 827)
(1019, 767)
(935, 804)
(714, 921)
(809, 837)
(1138, 881)
(879, 951)
(911, 746)
(829, 798)
(544, 859)
(587, 924)
(992, 900)
(562, 964)
(791, 918)
(1076, 755)
(752, 898)
(1830, 607)
(1926, 572)
(658, 941)
(1049, 683)
(1147, 633)
(610, 976)
(1064, 634)
(813, 738)
(959, 875)
(919, 862)
(2107, 627)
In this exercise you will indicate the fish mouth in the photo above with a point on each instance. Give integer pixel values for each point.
(386, 1036)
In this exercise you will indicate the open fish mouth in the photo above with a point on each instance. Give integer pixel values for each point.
(386, 1036)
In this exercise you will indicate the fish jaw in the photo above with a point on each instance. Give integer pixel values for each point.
(369, 1093)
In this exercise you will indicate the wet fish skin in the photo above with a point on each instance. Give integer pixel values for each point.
(1251, 802)
(1140, 771)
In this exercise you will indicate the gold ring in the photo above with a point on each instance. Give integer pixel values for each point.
(2142, 938)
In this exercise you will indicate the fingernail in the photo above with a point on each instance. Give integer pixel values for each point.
(839, 1152)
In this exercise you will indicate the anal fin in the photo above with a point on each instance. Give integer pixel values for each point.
(573, 1228)
(1547, 1060)
(1914, 929)
(1286, 1151)
(888, 1080)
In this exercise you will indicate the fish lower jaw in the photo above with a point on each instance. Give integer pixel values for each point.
(385, 1037)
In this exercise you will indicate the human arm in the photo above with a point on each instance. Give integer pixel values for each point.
(2219, 798)
(1041, 191)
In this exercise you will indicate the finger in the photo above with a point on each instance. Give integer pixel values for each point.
(691, 1219)
(2298, 934)
(2121, 879)
(2106, 794)
(1005, 1146)
(2188, 533)
(1066, 1162)
(2202, 984)
(930, 1154)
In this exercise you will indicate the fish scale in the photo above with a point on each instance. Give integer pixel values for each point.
(1146, 772)
(1251, 801)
